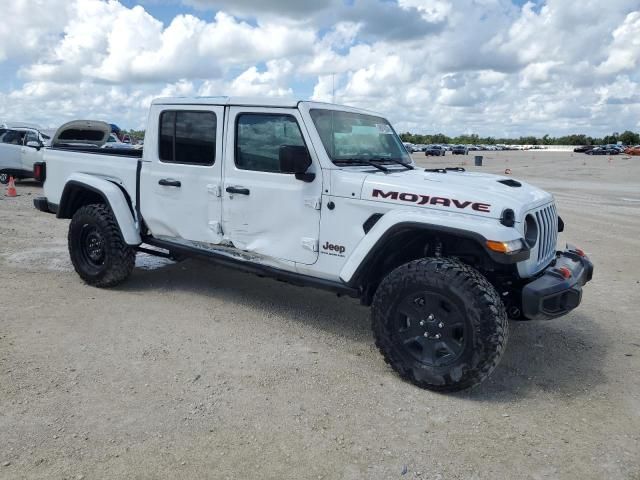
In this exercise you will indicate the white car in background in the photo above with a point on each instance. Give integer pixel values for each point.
(20, 148)
(114, 142)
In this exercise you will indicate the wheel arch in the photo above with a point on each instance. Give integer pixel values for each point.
(81, 190)
(409, 239)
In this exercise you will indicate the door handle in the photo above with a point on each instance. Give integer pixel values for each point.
(167, 182)
(238, 190)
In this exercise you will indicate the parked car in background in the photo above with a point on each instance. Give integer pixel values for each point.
(583, 148)
(603, 151)
(114, 142)
(620, 148)
(435, 151)
(460, 150)
(20, 148)
(632, 150)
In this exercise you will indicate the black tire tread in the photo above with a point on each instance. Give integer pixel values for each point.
(484, 298)
(122, 256)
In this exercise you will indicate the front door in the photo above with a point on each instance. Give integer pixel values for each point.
(31, 155)
(265, 211)
(180, 179)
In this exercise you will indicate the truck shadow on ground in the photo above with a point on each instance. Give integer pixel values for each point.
(320, 309)
(561, 357)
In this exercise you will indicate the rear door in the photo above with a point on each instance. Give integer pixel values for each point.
(11, 150)
(180, 179)
(265, 211)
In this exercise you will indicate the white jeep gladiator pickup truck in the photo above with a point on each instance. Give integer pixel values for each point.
(326, 196)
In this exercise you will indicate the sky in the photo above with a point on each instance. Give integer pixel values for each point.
(492, 67)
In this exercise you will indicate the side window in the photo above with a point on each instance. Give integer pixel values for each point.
(187, 137)
(259, 138)
(31, 137)
(13, 137)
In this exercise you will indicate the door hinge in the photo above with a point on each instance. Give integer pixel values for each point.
(215, 190)
(310, 244)
(216, 227)
(313, 202)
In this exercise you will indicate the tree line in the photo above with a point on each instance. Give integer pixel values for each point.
(627, 138)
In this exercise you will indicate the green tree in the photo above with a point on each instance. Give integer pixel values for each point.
(629, 138)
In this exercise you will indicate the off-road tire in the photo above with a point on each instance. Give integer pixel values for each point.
(115, 260)
(471, 295)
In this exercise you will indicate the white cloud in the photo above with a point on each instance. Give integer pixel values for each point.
(624, 51)
(253, 83)
(24, 32)
(108, 42)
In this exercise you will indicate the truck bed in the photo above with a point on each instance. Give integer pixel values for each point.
(116, 165)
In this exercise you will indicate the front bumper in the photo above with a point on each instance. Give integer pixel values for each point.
(559, 289)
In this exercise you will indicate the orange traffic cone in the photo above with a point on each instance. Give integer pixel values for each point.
(11, 188)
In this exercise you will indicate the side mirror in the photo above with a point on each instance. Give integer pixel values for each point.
(296, 159)
(35, 145)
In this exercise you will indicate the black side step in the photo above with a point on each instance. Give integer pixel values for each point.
(250, 267)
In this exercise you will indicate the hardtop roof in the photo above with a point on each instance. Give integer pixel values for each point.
(253, 102)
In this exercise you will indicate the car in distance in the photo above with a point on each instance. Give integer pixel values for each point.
(434, 151)
(20, 149)
(459, 150)
(603, 151)
(632, 150)
(583, 148)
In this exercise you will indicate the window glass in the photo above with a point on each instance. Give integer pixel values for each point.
(13, 137)
(259, 138)
(351, 137)
(31, 137)
(167, 125)
(187, 137)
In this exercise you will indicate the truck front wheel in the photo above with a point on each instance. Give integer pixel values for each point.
(439, 323)
(98, 252)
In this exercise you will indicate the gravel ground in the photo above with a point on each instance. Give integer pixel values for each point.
(191, 370)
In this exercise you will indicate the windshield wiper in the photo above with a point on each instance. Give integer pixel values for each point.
(361, 161)
(394, 160)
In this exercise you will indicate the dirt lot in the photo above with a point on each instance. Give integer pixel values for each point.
(191, 370)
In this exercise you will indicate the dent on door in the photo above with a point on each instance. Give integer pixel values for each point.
(267, 209)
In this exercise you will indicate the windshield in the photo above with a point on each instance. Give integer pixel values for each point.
(353, 137)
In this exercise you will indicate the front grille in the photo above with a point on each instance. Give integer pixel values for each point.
(547, 218)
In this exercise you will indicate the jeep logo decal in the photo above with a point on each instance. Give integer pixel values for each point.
(332, 249)
(426, 199)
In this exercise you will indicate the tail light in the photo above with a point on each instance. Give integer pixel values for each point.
(40, 171)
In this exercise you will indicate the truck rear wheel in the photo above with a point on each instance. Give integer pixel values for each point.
(98, 252)
(4, 178)
(439, 323)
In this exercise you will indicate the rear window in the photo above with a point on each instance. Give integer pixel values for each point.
(187, 137)
(81, 134)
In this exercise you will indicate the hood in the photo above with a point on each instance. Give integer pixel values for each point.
(82, 132)
(455, 191)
